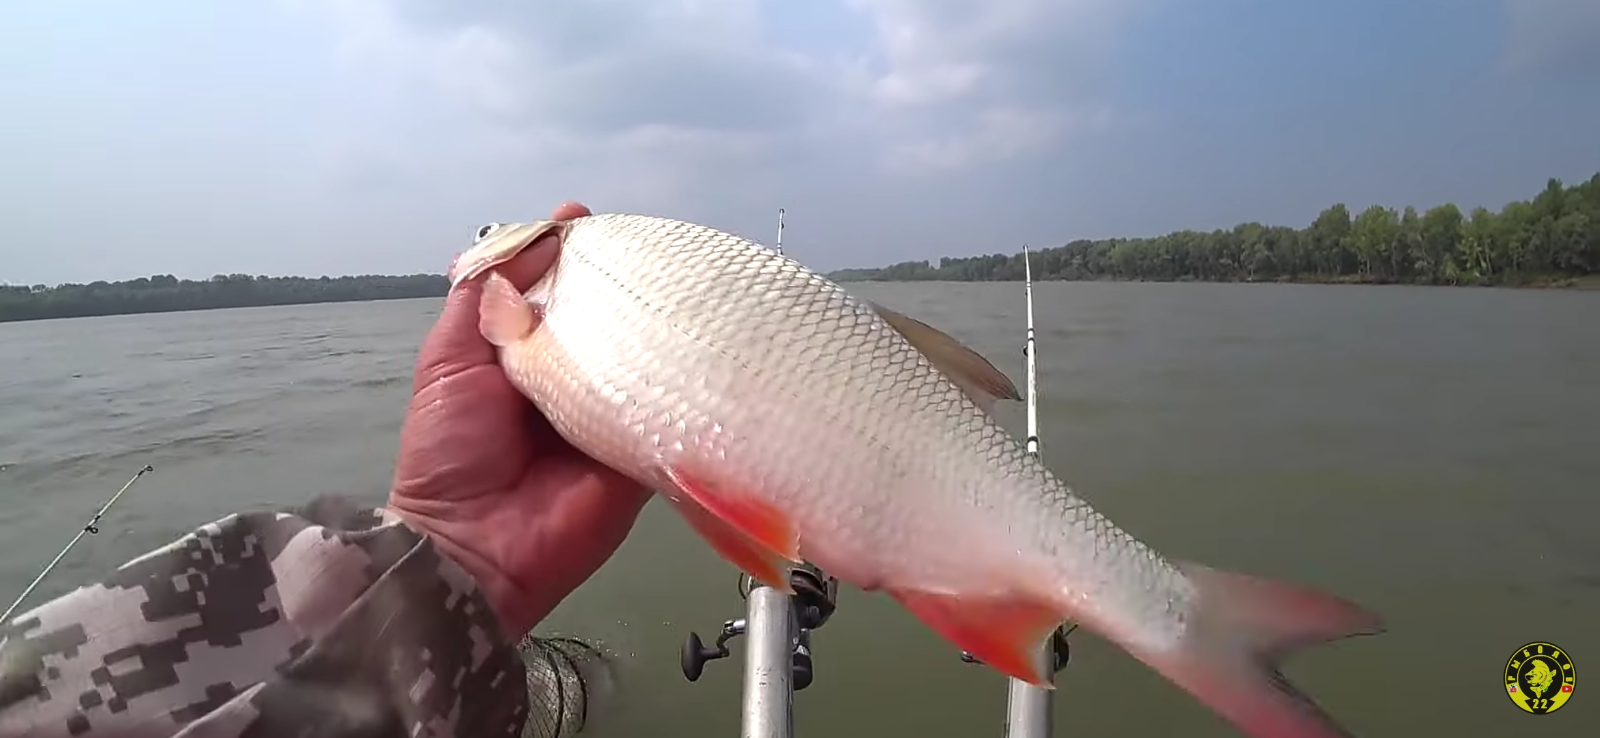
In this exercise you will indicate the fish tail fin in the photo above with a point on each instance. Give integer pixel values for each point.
(1242, 627)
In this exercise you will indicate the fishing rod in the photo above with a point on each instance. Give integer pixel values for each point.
(778, 627)
(1029, 711)
(780, 231)
(90, 528)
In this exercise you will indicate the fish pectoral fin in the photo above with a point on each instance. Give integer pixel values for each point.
(504, 316)
(742, 520)
(737, 548)
(982, 382)
(1003, 631)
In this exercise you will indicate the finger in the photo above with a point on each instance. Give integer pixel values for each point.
(525, 269)
(569, 210)
(455, 342)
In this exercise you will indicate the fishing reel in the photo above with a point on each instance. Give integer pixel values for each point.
(1060, 650)
(815, 598)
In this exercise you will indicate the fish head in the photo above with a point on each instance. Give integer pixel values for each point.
(497, 243)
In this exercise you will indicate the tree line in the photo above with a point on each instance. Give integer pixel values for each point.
(166, 293)
(1552, 239)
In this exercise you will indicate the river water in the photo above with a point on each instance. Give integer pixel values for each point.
(1429, 452)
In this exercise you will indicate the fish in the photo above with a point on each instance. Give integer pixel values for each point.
(788, 421)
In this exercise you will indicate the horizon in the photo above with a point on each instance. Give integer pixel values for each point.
(372, 136)
(932, 260)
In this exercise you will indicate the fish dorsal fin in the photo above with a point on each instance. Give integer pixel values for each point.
(966, 368)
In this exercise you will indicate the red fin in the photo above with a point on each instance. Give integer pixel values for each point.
(1241, 627)
(504, 316)
(764, 524)
(752, 558)
(1004, 632)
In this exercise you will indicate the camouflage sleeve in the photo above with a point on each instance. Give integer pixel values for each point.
(327, 621)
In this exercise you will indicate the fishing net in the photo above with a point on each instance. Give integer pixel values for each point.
(565, 675)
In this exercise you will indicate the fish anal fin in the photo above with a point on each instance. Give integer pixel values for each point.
(1004, 632)
(737, 548)
(763, 524)
(974, 374)
(504, 316)
(1240, 629)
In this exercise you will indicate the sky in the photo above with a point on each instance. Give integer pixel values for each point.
(314, 137)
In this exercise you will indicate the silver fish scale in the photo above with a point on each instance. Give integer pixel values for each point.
(666, 342)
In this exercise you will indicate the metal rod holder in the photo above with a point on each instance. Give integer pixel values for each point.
(769, 665)
(778, 659)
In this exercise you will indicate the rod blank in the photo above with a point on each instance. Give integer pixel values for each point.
(89, 528)
(1029, 710)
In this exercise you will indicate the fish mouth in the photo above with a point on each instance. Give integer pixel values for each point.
(498, 243)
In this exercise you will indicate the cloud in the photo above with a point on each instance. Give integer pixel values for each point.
(342, 136)
(687, 91)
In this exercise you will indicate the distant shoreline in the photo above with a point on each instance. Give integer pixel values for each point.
(167, 294)
(1583, 283)
(1550, 241)
(92, 310)
(4, 321)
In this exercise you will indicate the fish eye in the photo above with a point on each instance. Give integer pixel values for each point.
(486, 230)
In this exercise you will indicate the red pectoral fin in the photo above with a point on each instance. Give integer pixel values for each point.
(1003, 632)
(754, 535)
(764, 523)
(739, 549)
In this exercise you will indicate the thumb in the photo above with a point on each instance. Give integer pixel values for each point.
(455, 343)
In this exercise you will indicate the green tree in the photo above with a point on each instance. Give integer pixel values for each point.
(165, 293)
(1328, 240)
(1373, 237)
(1441, 235)
(1553, 237)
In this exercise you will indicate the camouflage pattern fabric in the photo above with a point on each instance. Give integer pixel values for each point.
(325, 621)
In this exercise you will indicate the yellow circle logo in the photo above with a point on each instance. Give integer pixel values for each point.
(1540, 677)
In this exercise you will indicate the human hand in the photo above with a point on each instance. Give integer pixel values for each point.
(485, 475)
